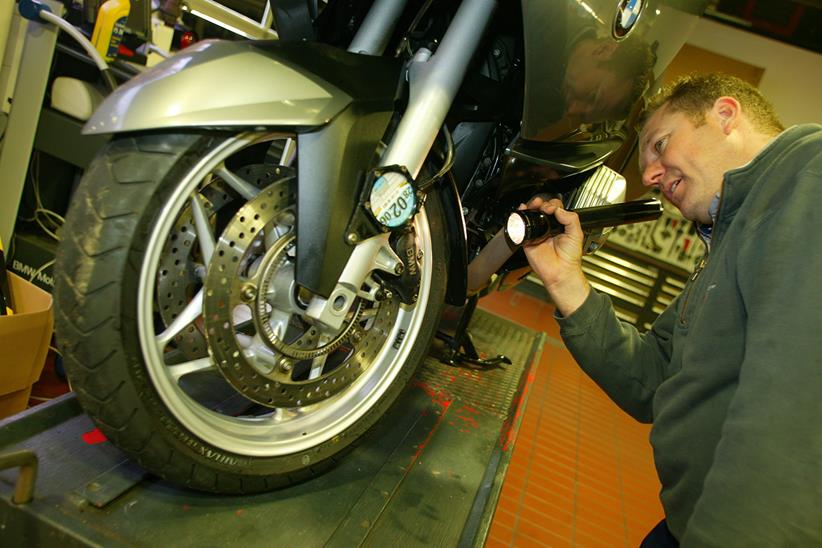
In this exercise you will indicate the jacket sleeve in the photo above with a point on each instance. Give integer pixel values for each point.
(764, 487)
(627, 365)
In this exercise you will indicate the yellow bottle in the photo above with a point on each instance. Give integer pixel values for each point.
(109, 27)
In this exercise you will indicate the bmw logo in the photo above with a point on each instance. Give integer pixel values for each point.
(628, 12)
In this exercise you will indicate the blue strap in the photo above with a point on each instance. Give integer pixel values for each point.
(30, 9)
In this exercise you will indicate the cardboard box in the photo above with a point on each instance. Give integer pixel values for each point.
(24, 342)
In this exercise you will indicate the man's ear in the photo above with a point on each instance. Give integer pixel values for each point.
(727, 111)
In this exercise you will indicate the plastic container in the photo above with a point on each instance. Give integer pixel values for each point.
(24, 342)
(109, 27)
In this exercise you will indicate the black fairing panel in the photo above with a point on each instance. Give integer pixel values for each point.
(334, 158)
(333, 161)
(365, 78)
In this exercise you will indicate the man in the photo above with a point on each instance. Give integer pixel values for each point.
(731, 373)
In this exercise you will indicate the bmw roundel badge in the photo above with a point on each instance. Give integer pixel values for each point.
(628, 12)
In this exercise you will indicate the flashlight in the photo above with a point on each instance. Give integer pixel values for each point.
(530, 226)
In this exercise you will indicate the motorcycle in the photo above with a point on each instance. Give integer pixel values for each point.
(254, 266)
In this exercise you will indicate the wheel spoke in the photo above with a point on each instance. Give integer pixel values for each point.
(279, 322)
(289, 148)
(243, 187)
(318, 363)
(179, 370)
(191, 312)
(202, 227)
(368, 313)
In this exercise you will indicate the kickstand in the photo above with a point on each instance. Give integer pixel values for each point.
(460, 347)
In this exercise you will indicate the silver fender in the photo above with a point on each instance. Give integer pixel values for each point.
(218, 83)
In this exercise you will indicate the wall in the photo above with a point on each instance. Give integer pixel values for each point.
(792, 78)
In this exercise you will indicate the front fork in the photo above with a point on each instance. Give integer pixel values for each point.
(434, 80)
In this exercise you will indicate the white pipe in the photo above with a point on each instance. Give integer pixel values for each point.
(78, 36)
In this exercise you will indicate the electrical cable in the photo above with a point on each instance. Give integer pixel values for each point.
(84, 42)
(448, 163)
(78, 36)
(48, 221)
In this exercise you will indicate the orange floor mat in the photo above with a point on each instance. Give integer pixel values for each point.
(581, 472)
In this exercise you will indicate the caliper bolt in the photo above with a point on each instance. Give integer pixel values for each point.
(352, 238)
(285, 365)
(384, 294)
(355, 337)
(399, 268)
(248, 292)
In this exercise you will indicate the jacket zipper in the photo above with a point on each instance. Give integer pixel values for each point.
(694, 276)
(702, 262)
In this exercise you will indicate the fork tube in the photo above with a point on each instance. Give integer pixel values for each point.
(434, 84)
(376, 29)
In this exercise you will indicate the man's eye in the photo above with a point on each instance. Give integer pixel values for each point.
(660, 145)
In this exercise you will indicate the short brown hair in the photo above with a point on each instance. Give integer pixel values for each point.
(695, 94)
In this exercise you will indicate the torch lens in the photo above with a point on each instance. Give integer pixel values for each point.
(516, 228)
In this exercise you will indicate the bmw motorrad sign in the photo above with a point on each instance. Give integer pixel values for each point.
(628, 12)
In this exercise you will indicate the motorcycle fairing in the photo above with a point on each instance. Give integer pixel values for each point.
(221, 84)
(338, 103)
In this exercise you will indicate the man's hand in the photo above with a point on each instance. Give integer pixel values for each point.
(558, 260)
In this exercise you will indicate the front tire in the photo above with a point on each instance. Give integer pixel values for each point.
(160, 230)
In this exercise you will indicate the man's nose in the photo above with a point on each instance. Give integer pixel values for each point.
(652, 174)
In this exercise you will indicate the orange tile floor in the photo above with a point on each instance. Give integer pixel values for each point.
(581, 472)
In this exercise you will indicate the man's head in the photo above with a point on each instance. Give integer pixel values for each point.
(604, 78)
(695, 130)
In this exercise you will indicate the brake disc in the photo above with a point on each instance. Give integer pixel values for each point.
(257, 332)
(181, 270)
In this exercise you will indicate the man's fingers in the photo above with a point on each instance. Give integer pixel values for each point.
(551, 206)
(535, 202)
(570, 220)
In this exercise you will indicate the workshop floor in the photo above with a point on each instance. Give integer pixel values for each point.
(581, 472)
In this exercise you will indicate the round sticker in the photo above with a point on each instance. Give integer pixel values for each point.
(393, 201)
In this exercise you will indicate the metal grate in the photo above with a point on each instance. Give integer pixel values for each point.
(490, 390)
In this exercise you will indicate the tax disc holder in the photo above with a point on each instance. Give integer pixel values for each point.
(393, 198)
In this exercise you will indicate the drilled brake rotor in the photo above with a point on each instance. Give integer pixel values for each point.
(181, 268)
(257, 332)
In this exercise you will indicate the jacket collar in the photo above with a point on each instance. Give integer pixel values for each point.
(738, 182)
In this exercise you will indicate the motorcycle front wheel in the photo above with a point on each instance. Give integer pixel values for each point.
(184, 334)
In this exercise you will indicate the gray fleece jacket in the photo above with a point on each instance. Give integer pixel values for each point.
(731, 373)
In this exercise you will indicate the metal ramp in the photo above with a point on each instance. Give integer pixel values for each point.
(427, 475)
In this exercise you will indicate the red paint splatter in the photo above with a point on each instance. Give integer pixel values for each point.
(239, 512)
(441, 400)
(186, 507)
(93, 437)
(438, 397)
(463, 414)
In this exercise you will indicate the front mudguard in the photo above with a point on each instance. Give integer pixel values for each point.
(338, 103)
